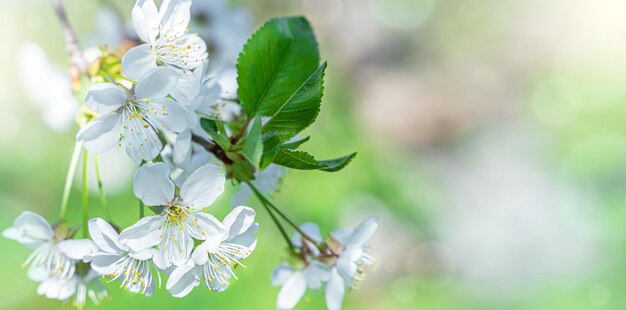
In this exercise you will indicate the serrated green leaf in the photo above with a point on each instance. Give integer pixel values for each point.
(304, 161)
(274, 63)
(271, 145)
(301, 109)
(253, 145)
(295, 144)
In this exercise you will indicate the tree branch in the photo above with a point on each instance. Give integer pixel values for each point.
(77, 60)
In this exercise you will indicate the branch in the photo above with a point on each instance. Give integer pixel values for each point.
(212, 148)
(77, 60)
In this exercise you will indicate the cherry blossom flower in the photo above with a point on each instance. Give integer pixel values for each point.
(119, 262)
(52, 255)
(179, 221)
(79, 286)
(213, 262)
(133, 119)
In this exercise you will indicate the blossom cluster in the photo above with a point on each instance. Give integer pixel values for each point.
(167, 111)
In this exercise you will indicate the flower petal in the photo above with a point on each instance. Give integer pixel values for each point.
(363, 232)
(241, 196)
(138, 60)
(315, 275)
(281, 274)
(156, 83)
(182, 148)
(182, 280)
(100, 134)
(174, 18)
(103, 263)
(203, 186)
(204, 226)
(104, 98)
(152, 184)
(143, 234)
(105, 237)
(292, 291)
(167, 114)
(38, 273)
(140, 142)
(334, 291)
(239, 220)
(146, 20)
(29, 228)
(77, 248)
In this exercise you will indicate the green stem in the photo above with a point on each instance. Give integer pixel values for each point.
(283, 232)
(283, 215)
(141, 212)
(69, 177)
(85, 194)
(103, 197)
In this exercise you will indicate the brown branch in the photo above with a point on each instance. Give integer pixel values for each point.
(77, 61)
(212, 148)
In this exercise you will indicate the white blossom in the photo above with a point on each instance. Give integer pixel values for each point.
(79, 286)
(52, 256)
(133, 119)
(353, 255)
(167, 42)
(119, 262)
(213, 262)
(179, 220)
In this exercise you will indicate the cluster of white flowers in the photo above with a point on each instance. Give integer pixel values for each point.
(335, 264)
(153, 110)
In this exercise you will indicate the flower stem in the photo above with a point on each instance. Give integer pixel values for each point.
(103, 197)
(242, 130)
(283, 215)
(283, 232)
(70, 176)
(141, 212)
(85, 194)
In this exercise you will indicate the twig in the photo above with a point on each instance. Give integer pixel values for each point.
(71, 41)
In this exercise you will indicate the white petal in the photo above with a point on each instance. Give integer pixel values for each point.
(105, 237)
(346, 267)
(174, 17)
(104, 98)
(309, 228)
(204, 226)
(58, 288)
(142, 144)
(188, 85)
(291, 292)
(334, 291)
(29, 228)
(242, 195)
(182, 280)
(167, 114)
(77, 248)
(182, 148)
(203, 186)
(247, 240)
(315, 275)
(143, 254)
(156, 83)
(143, 234)
(152, 184)
(138, 60)
(38, 273)
(103, 263)
(363, 232)
(146, 20)
(281, 274)
(342, 235)
(239, 220)
(100, 134)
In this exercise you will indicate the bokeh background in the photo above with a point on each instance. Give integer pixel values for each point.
(491, 138)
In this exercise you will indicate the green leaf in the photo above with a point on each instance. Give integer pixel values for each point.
(211, 128)
(301, 109)
(295, 144)
(253, 145)
(304, 161)
(271, 145)
(274, 63)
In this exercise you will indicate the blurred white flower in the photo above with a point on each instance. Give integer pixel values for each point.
(304, 274)
(48, 86)
(79, 286)
(133, 120)
(117, 261)
(165, 37)
(348, 244)
(266, 181)
(213, 262)
(179, 222)
(52, 256)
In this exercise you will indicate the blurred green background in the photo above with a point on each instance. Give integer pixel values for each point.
(491, 138)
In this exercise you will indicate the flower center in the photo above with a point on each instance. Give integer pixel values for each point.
(176, 213)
